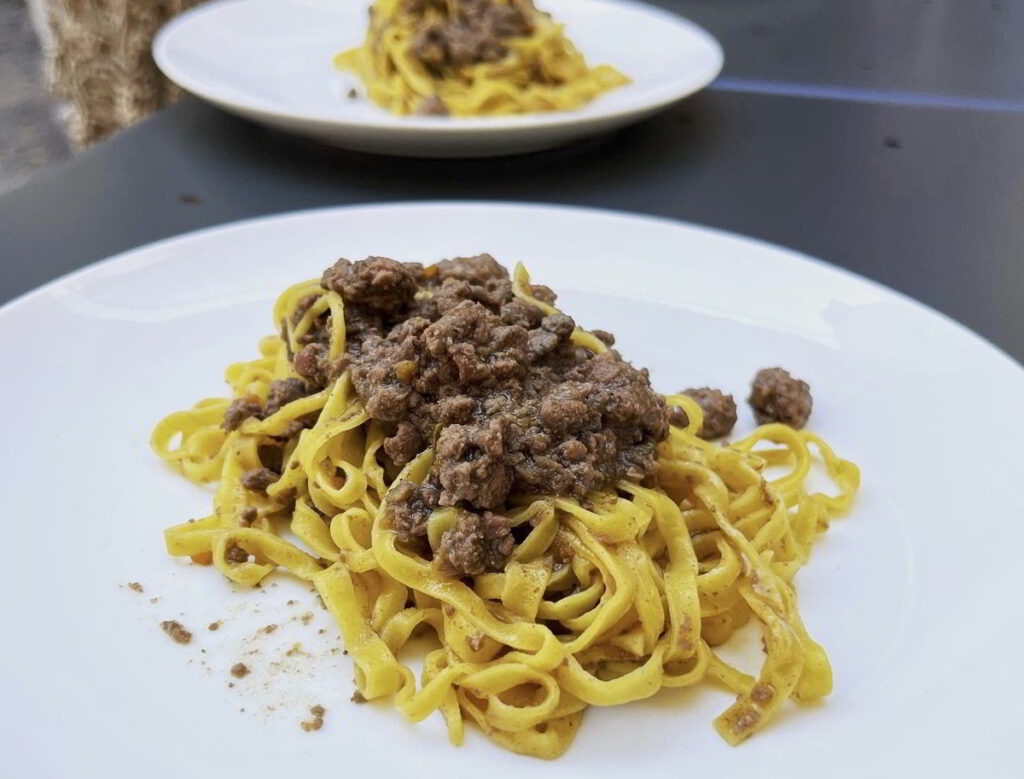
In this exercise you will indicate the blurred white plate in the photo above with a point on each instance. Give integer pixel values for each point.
(270, 61)
(916, 594)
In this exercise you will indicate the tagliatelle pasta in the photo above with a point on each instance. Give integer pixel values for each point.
(602, 601)
(472, 58)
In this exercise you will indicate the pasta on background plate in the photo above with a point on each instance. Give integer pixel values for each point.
(459, 459)
(472, 58)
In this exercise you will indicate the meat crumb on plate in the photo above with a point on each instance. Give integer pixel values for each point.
(176, 631)
(317, 722)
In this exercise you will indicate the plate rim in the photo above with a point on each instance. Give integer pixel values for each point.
(483, 125)
(786, 253)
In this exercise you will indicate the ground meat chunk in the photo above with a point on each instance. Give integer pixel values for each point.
(604, 337)
(410, 506)
(559, 324)
(271, 455)
(478, 269)
(240, 410)
(405, 444)
(471, 346)
(719, 411)
(313, 364)
(456, 410)
(431, 46)
(472, 466)
(477, 543)
(433, 106)
(776, 396)
(282, 392)
(258, 479)
(302, 306)
(678, 417)
(379, 284)
(523, 314)
(310, 362)
(566, 407)
(472, 34)
(454, 44)
(509, 20)
(236, 555)
(502, 19)
(491, 293)
(544, 294)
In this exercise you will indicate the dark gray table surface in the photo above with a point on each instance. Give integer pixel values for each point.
(877, 152)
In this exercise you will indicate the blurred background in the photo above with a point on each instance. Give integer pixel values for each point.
(31, 134)
(72, 72)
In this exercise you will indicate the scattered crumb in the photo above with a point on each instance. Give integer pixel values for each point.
(295, 650)
(321, 631)
(358, 697)
(155, 600)
(231, 684)
(892, 142)
(189, 199)
(306, 618)
(317, 722)
(176, 631)
(214, 625)
(273, 584)
(352, 94)
(269, 628)
(238, 670)
(344, 651)
(291, 603)
(203, 651)
(242, 710)
(135, 586)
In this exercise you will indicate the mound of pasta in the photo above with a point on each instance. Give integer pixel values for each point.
(472, 58)
(458, 459)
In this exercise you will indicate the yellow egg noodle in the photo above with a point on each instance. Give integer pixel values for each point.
(541, 71)
(640, 582)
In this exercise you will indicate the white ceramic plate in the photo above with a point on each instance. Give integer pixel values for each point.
(916, 594)
(270, 61)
